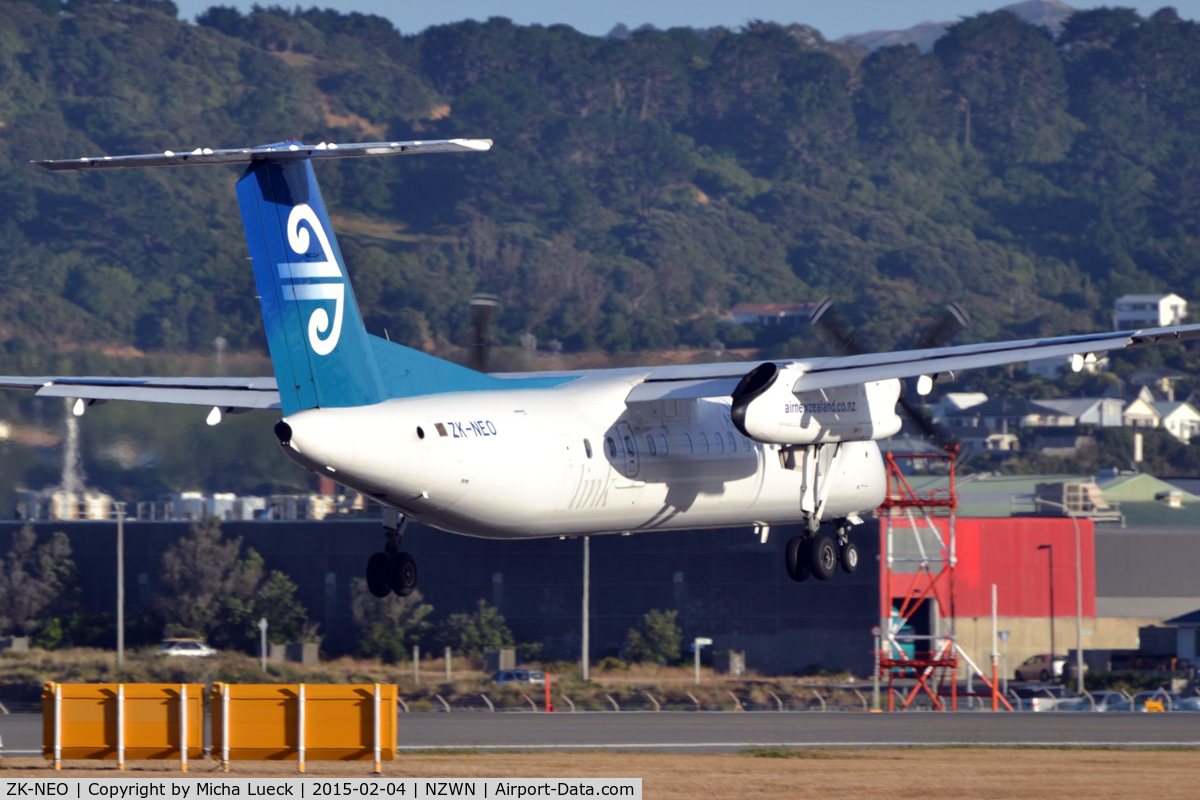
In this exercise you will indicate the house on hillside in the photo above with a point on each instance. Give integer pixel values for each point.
(793, 314)
(1140, 413)
(1102, 411)
(1181, 420)
(1148, 311)
(1161, 379)
(977, 439)
(955, 401)
(1004, 414)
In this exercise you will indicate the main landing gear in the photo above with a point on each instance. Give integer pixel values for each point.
(818, 555)
(392, 570)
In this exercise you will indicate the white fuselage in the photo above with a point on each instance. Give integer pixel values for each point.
(572, 460)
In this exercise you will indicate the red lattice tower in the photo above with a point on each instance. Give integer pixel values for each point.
(908, 517)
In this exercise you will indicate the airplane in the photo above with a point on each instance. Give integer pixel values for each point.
(540, 454)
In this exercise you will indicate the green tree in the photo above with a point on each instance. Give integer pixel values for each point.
(656, 641)
(387, 627)
(209, 588)
(33, 578)
(287, 618)
(471, 634)
(1011, 87)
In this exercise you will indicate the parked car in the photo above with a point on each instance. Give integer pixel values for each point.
(1041, 668)
(193, 648)
(1043, 698)
(525, 676)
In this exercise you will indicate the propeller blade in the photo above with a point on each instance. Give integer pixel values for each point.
(951, 322)
(833, 329)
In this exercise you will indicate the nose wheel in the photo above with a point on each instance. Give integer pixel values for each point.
(392, 570)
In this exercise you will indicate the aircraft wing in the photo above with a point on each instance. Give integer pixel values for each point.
(719, 380)
(229, 393)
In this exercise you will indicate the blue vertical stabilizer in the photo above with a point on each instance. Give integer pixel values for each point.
(318, 344)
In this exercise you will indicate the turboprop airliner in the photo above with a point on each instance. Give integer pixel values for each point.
(553, 453)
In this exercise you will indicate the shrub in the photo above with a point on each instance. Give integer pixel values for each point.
(471, 634)
(657, 641)
(389, 626)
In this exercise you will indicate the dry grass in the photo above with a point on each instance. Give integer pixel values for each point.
(22, 676)
(967, 773)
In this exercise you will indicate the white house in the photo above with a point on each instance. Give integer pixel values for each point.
(1148, 310)
(1140, 413)
(1180, 419)
(1102, 411)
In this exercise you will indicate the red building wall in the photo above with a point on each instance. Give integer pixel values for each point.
(1004, 552)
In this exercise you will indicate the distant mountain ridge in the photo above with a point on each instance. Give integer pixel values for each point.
(1049, 14)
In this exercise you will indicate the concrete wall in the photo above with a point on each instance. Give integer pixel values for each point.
(1031, 636)
(725, 584)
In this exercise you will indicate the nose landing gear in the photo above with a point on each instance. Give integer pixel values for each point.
(392, 570)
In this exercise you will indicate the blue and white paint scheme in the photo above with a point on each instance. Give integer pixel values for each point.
(546, 454)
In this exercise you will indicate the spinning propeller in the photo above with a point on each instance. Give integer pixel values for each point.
(834, 330)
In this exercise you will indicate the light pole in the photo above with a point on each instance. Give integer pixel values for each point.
(1078, 596)
(1050, 549)
(262, 629)
(1004, 660)
(587, 581)
(120, 507)
(698, 643)
(877, 632)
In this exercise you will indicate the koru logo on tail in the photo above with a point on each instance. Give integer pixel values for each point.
(296, 277)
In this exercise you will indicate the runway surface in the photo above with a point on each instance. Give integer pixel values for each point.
(728, 731)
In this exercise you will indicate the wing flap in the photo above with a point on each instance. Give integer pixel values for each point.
(224, 398)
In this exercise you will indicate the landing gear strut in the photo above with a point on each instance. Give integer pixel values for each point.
(392, 570)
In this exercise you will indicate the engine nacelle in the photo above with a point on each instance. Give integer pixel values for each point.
(766, 409)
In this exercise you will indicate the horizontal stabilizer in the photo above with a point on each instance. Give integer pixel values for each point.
(286, 151)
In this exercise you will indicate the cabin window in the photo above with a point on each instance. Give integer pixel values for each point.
(612, 447)
(732, 443)
(720, 442)
(662, 444)
(587, 448)
(687, 443)
(703, 443)
(650, 445)
(629, 447)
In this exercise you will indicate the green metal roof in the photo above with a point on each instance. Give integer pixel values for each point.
(1011, 495)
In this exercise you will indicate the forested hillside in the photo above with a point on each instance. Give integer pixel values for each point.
(638, 189)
